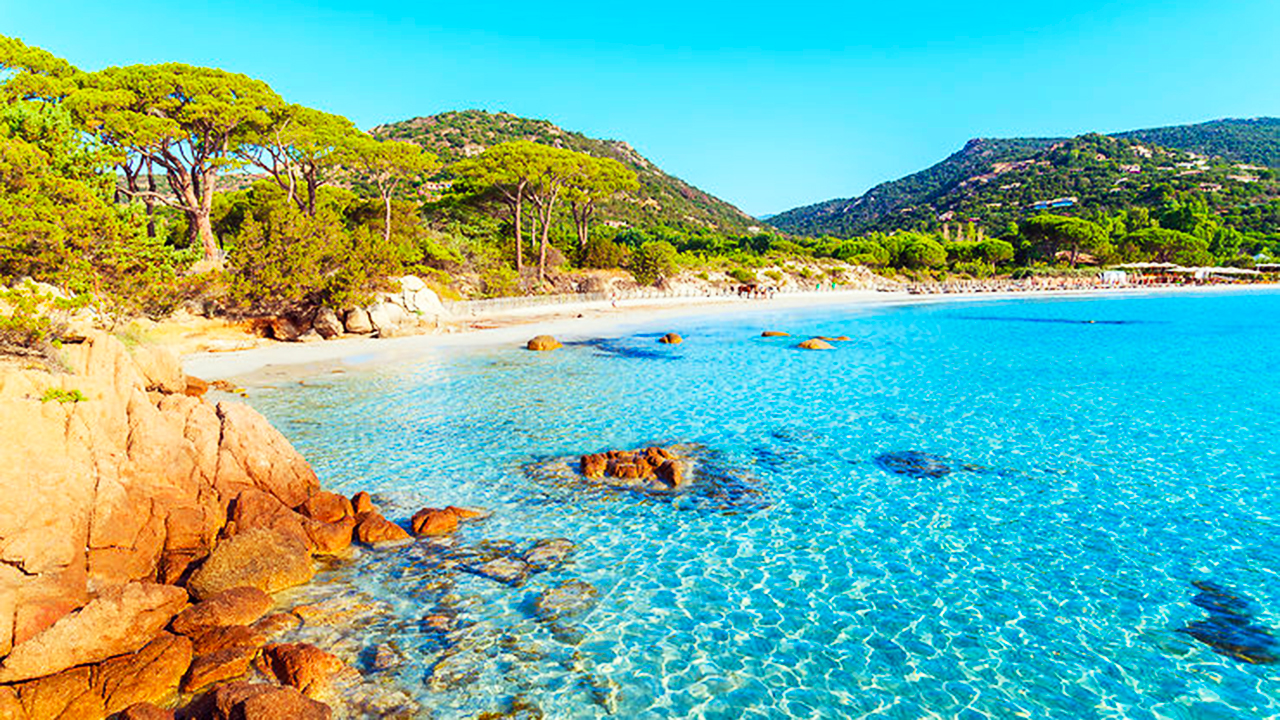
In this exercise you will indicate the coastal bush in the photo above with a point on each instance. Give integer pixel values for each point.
(603, 253)
(653, 261)
(742, 275)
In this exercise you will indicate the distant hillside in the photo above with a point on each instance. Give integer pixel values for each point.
(885, 204)
(1255, 141)
(995, 181)
(663, 199)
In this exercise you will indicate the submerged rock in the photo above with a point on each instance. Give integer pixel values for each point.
(913, 463)
(565, 601)
(1229, 629)
(815, 344)
(507, 570)
(547, 554)
(774, 333)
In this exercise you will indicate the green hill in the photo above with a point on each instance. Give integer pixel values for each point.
(996, 181)
(663, 200)
(1255, 141)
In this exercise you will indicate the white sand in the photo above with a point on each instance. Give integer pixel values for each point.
(573, 321)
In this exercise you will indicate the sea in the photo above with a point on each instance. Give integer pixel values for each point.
(1058, 507)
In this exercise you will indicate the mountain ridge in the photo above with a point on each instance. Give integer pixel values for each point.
(906, 202)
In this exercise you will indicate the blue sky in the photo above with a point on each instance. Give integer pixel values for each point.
(767, 106)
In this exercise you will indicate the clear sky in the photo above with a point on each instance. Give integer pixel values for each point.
(767, 106)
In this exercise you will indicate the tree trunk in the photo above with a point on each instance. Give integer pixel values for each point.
(518, 214)
(386, 225)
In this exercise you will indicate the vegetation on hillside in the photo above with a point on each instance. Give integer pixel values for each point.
(660, 199)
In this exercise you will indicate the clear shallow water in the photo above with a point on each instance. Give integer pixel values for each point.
(1110, 464)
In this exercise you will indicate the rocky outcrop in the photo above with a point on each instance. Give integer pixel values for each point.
(671, 339)
(543, 343)
(654, 469)
(774, 333)
(113, 499)
(120, 620)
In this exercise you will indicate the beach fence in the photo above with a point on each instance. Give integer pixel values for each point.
(471, 308)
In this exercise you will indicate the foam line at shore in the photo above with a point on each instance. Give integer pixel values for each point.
(580, 321)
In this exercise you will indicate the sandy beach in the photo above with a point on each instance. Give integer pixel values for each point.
(274, 361)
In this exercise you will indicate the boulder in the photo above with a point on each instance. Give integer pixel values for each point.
(374, 529)
(305, 667)
(358, 322)
(774, 333)
(120, 620)
(424, 302)
(234, 606)
(362, 503)
(282, 704)
(327, 507)
(815, 344)
(412, 284)
(838, 338)
(671, 339)
(254, 508)
(222, 654)
(433, 521)
(333, 538)
(327, 324)
(284, 329)
(386, 317)
(228, 636)
(261, 557)
(218, 666)
(543, 343)
(195, 387)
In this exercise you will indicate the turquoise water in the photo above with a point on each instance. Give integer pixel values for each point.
(1097, 469)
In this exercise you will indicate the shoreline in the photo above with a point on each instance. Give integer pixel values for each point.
(584, 320)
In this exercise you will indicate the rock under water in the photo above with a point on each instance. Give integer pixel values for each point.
(1230, 630)
(913, 463)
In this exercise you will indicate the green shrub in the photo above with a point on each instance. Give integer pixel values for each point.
(604, 253)
(62, 396)
(742, 275)
(773, 275)
(653, 261)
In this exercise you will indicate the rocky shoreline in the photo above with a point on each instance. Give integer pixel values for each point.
(146, 532)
